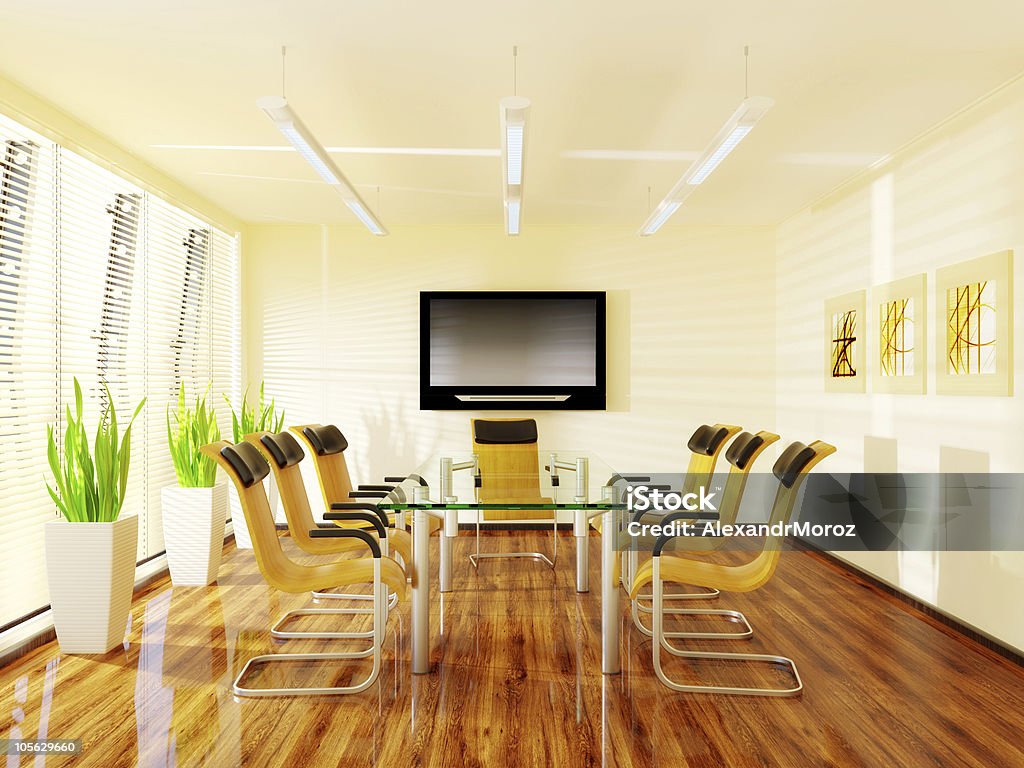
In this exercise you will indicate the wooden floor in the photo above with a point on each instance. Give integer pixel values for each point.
(516, 682)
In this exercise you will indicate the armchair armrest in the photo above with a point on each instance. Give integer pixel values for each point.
(365, 506)
(366, 517)
(628, 478)
(348, 533)
(368, 494)
(403, 478)
(664, 538)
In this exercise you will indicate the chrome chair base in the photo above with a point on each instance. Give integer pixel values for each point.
(317, 596)
(730, 690)
(477, 556)
(660, 643)
(240, 690)
(279, 634)
(745, 632)
(380, 617)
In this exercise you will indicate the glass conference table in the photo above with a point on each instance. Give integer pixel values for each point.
(570, 487)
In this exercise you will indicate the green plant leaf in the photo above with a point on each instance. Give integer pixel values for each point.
(91, 481)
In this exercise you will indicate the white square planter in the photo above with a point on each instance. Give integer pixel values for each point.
(193, 520)
(242, 538)
(90, 568)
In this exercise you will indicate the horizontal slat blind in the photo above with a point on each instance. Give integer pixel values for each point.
(101, 280)
(225, 328)
(28, 371)
(102, 310)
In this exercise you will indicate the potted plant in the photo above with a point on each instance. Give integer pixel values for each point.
(195, 510)
(91, 553)
(260, 417)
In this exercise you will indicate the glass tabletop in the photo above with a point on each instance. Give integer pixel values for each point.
(523, 480)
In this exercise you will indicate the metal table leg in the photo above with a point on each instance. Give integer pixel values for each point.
(421, 593)
(609, 596)
(579, 529)
(444, 568)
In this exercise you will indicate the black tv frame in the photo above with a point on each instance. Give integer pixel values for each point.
(592, 398)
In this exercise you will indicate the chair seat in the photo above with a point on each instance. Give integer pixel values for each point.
(681, 570)
(317, 578)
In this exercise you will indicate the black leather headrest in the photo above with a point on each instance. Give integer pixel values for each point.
(743, 446)
(247, 462)
(326, 440)
(707, 439)
(505, 432)
(792, 460)
(283, 448)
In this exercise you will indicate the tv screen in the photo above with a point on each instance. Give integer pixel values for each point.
(512, 350)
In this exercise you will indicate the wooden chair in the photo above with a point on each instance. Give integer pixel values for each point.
(284, 455)
(509, 471)
(327, 446)
(509, 466)
(790, 469)
(705, 445)
(247, 468)
(743, 452)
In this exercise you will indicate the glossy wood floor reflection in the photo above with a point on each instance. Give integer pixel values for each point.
(516, 682)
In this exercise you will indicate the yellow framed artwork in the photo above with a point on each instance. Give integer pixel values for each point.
(900, 346)
(974, 318)
(844, 343)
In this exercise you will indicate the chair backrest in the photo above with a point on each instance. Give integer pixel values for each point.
(283, 454)
(791, 469)
(705, 444)
(506, 450)
(327, 445)
(743, 452)
(247, 468)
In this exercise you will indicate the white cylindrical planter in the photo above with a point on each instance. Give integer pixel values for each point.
(242, 538)
(90, 568)
(193, 520)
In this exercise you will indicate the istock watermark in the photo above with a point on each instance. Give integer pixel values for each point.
(857, 512)
(643, 498)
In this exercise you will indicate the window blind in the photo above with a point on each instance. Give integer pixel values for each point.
(28, 351)
(101, 280)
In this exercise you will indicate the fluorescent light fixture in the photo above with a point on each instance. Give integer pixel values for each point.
(514, 135)
(730, 143)
(512, 217)
(726, 140)
(300, 137)
(366, 217)
(660, 216)
(513, 111)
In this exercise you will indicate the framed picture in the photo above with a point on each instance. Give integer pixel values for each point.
(899, 336)
(974, 320)
(844, 343)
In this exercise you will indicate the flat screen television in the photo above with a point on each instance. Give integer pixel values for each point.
(512, 350)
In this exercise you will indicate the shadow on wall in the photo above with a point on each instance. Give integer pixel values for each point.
(391, 447)
(619, 350)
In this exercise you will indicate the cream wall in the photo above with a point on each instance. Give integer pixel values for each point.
(332, 323)
(955, 194)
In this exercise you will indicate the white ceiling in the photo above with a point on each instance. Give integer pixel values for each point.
(623, 94)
